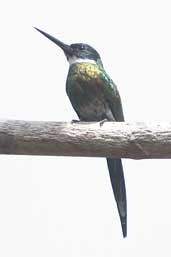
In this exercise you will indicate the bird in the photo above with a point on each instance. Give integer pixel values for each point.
(95, 97)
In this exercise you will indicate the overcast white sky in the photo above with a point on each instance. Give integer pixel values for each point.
(55, 206)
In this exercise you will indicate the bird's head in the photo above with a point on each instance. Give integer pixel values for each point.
(74, 53)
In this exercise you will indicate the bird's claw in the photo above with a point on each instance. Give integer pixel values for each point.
(75, 121)
(102, 122)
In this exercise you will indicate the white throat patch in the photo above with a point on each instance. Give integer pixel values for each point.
(75, 59)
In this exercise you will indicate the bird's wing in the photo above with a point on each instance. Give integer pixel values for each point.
(112, 96)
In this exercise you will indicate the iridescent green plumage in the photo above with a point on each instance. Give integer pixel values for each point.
(92, 93)
(95, 97)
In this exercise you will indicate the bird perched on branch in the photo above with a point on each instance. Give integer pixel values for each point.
(95, 97)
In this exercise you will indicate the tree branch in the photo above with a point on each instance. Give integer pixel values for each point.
(112, 139)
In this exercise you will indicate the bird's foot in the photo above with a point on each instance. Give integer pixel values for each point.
(102, 122)
(75, 121)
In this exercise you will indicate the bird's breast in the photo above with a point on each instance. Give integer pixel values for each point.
(85, 89)
(84, 71)
(83, 82)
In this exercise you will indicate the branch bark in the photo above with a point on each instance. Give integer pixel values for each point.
(112, 139)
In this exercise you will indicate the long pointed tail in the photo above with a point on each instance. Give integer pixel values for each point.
(119, 190)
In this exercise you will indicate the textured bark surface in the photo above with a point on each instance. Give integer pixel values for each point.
(112, 139)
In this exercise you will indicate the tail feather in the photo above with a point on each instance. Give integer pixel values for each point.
(119, 190)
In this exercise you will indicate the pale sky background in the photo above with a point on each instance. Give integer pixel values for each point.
(56, 206)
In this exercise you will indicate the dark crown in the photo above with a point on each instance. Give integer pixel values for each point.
(84, 51)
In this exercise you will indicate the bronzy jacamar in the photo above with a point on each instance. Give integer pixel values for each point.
(95, 97)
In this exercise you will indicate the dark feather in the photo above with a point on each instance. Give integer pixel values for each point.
(119, 190)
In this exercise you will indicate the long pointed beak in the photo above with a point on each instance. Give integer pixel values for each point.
(66, 48)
